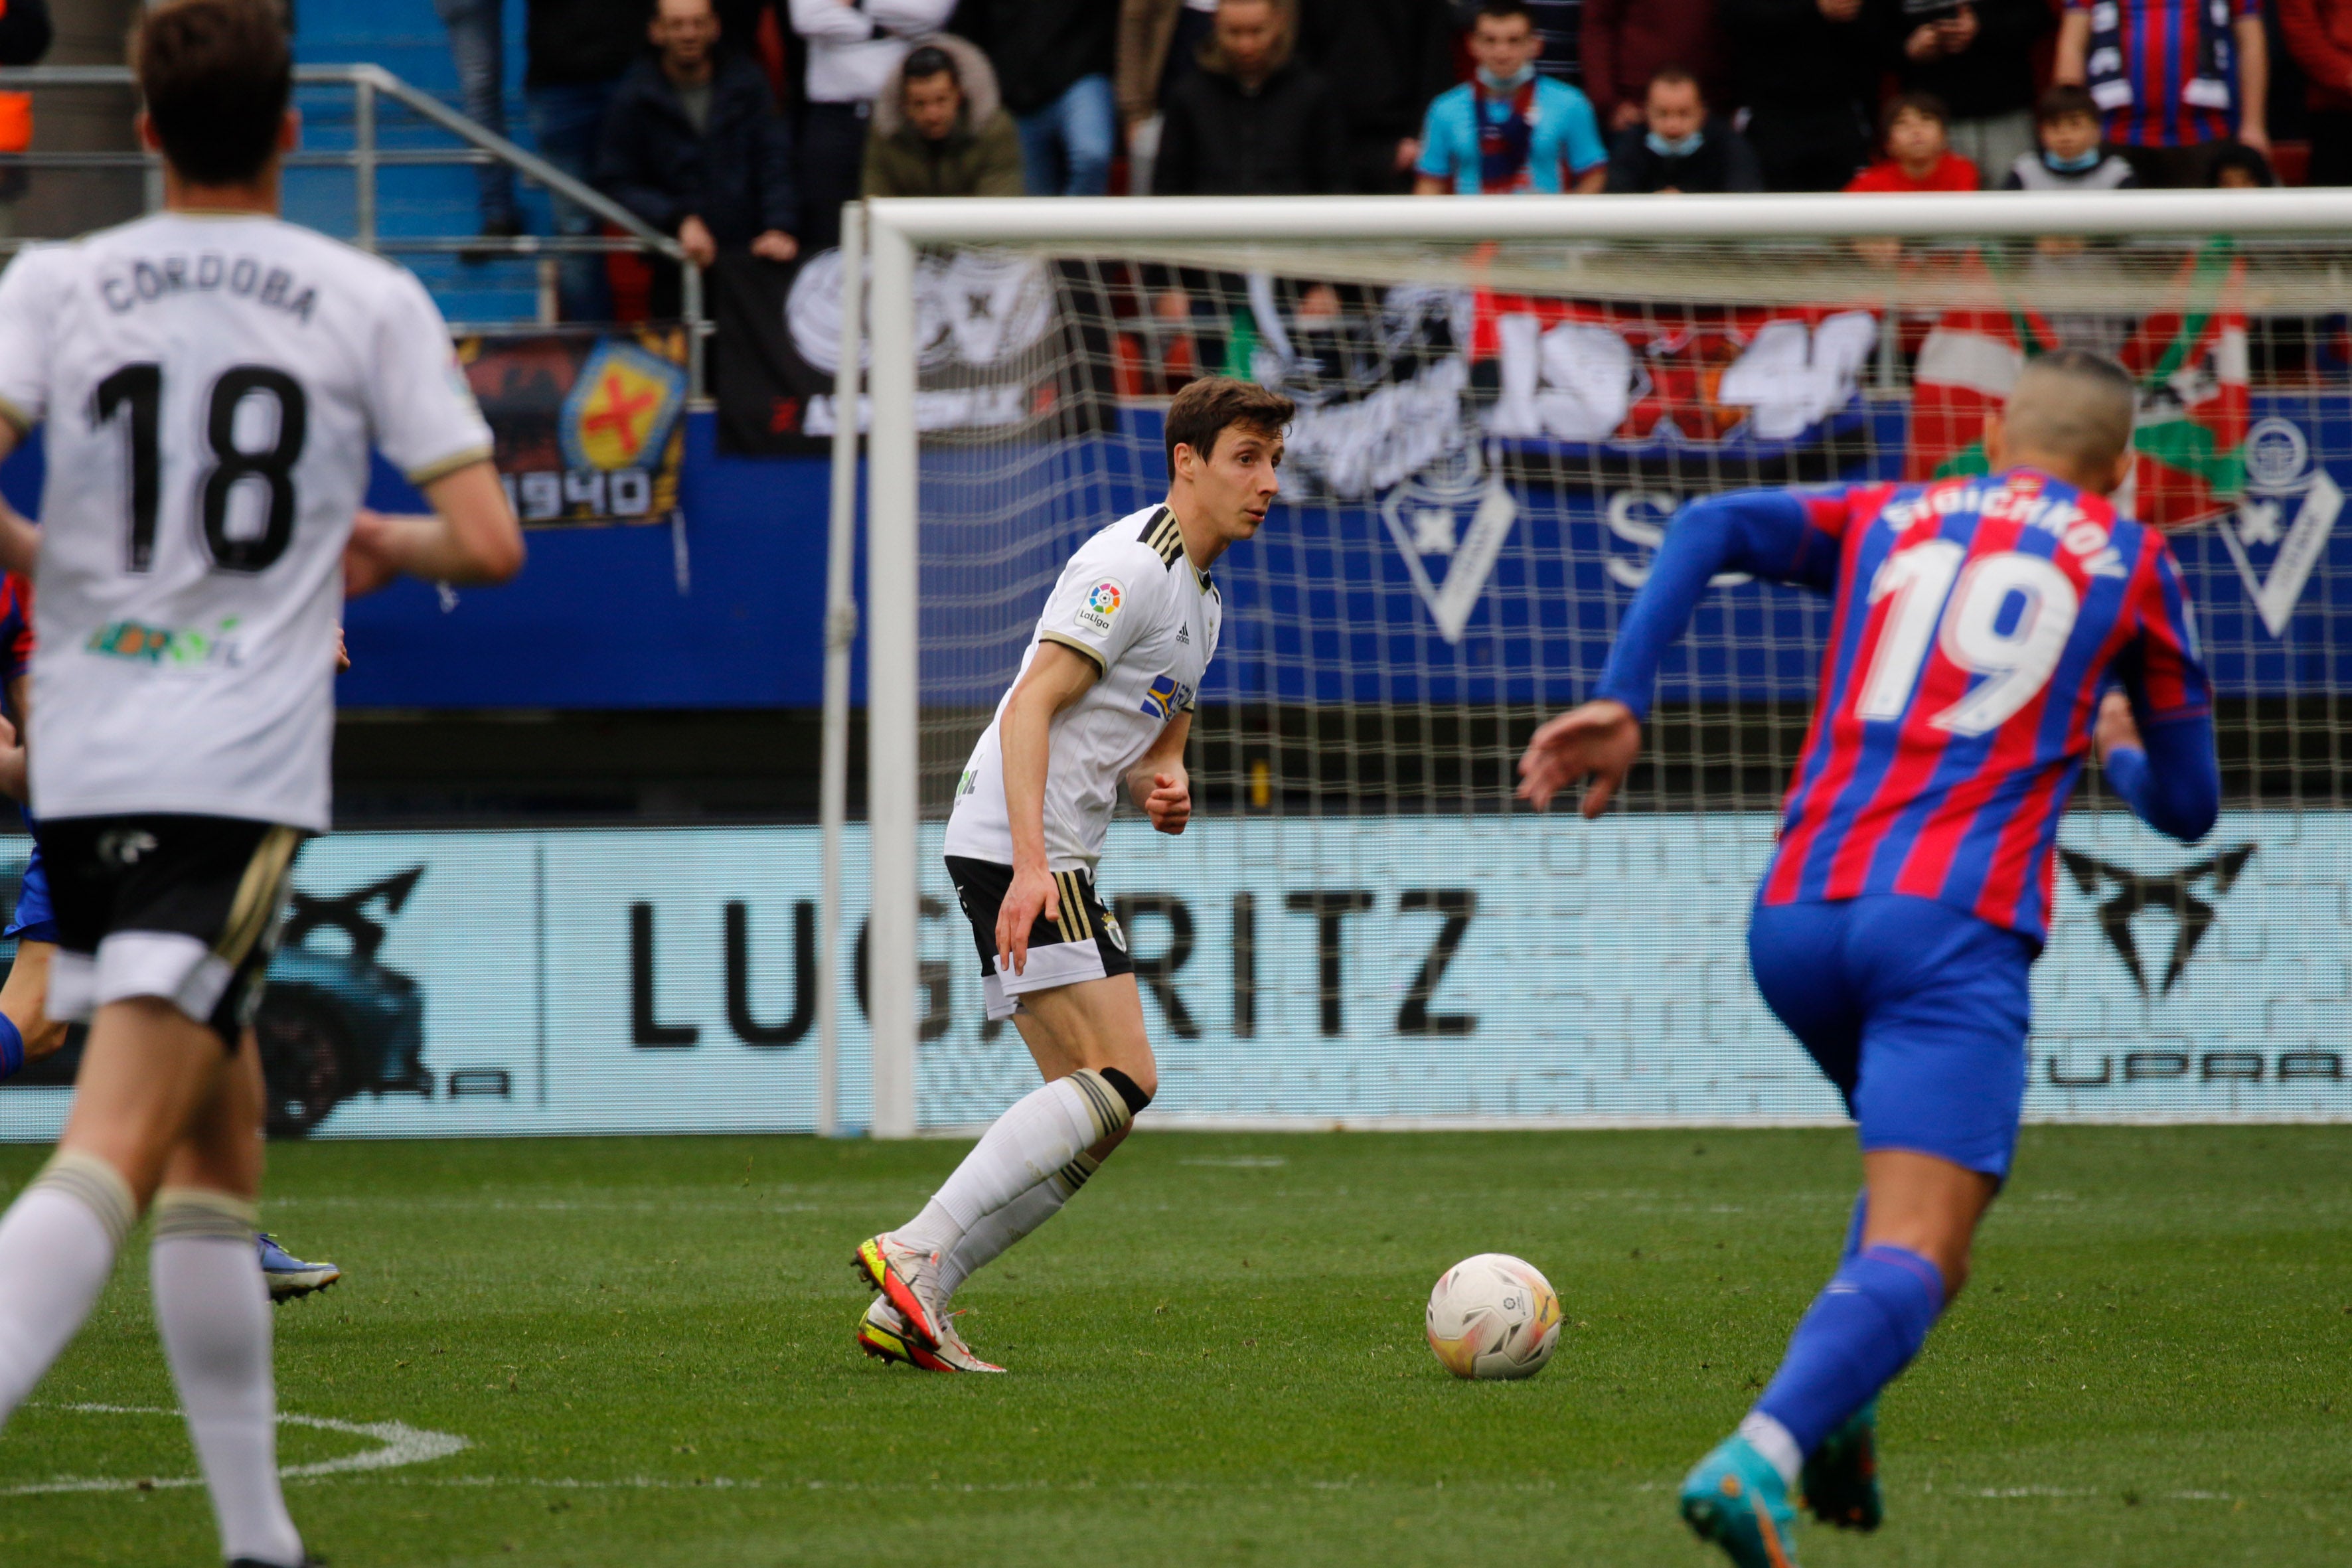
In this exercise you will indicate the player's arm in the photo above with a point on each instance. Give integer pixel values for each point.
(2167, 772)
(2155, 733)
(12, 771)
(20, 540)
(1057, 677)
(1158, 785)
(470, 536)
(1765, 533)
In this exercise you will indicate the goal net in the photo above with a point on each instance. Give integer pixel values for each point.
(1501, 407)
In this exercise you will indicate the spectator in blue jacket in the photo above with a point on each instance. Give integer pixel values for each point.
(694, 146)
(1508, 130)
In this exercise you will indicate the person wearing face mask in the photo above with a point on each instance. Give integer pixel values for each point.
(1679, 146)
(1509, 131)
(2070, 156)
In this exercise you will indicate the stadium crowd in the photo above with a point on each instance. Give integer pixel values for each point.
(745, 124)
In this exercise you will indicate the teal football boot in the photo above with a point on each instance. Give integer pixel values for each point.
(1841, 1480)
(1736, 1499)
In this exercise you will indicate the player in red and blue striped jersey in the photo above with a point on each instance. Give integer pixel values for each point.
(1988, 634)
(28, 1033)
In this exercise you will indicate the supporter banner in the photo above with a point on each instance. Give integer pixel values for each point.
(1513, 969)
(1423, 379)
(777, 341)
(589, 429)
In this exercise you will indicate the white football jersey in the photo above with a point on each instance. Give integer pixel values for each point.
(211, 386)
(1131, 602)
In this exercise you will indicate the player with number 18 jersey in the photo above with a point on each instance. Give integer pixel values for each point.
(210, 386)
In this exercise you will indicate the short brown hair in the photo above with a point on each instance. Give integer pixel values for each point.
(216, 75)
(1925, 105)
(2064, 102)
(1202, 410)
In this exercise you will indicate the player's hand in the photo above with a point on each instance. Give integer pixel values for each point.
(2116, 726)
(342, 652)
(1033, 891)
(1169, 802)
(369, 560)
(1598, 740)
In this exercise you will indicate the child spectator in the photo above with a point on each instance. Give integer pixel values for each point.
(2238, 167)
(1508, 130)
(2070, 156)
(1919, 157)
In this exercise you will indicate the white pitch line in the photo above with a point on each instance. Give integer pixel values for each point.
(399, 1443)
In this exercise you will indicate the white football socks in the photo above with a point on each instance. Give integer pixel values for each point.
(213, 1308)
(1775, 1442)
(1043, 1130)
(986, 1241)
(58, 1243)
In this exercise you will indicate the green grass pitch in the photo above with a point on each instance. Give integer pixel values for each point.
(1218, 1359)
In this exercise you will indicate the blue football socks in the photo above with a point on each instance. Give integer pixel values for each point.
(12, 1047)
(1861, 1330)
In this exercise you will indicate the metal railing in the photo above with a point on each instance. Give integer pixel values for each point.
(371, 85)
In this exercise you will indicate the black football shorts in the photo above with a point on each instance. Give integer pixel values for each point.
(1074, 939)
(182, 908)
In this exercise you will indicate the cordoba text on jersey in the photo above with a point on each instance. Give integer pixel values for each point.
(241, 277)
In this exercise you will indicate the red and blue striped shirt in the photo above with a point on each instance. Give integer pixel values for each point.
(1976, 624)
(2161, 43)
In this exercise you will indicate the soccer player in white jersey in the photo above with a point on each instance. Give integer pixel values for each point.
(1104, 696)
(211, 380)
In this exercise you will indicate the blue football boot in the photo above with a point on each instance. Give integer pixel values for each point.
(1737, 1500)
(288, 1275)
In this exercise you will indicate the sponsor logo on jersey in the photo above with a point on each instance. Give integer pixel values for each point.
(1166, 698)
(144, 643)
(1101, 603)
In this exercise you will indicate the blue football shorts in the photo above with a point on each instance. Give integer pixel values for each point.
(1916, 1010)
(35, 920)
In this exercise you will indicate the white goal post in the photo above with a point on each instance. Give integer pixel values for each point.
(1739, 249)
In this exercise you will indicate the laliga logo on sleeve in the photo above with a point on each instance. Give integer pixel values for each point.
(2275, 552)
(1101, 603)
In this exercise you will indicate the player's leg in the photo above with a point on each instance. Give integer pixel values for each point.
(289, 1277)
(1941, 1081)
(1078, 987)
(147, 1068)
(1058, 1056)
(1737, 1497)
(1099, 1029)
(28, 1033)
(212, 1308)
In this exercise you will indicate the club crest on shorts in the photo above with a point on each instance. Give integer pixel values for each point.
(1101, 603)
(1111, 929)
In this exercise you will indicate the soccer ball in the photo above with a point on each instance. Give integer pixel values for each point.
(1494, 1316)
